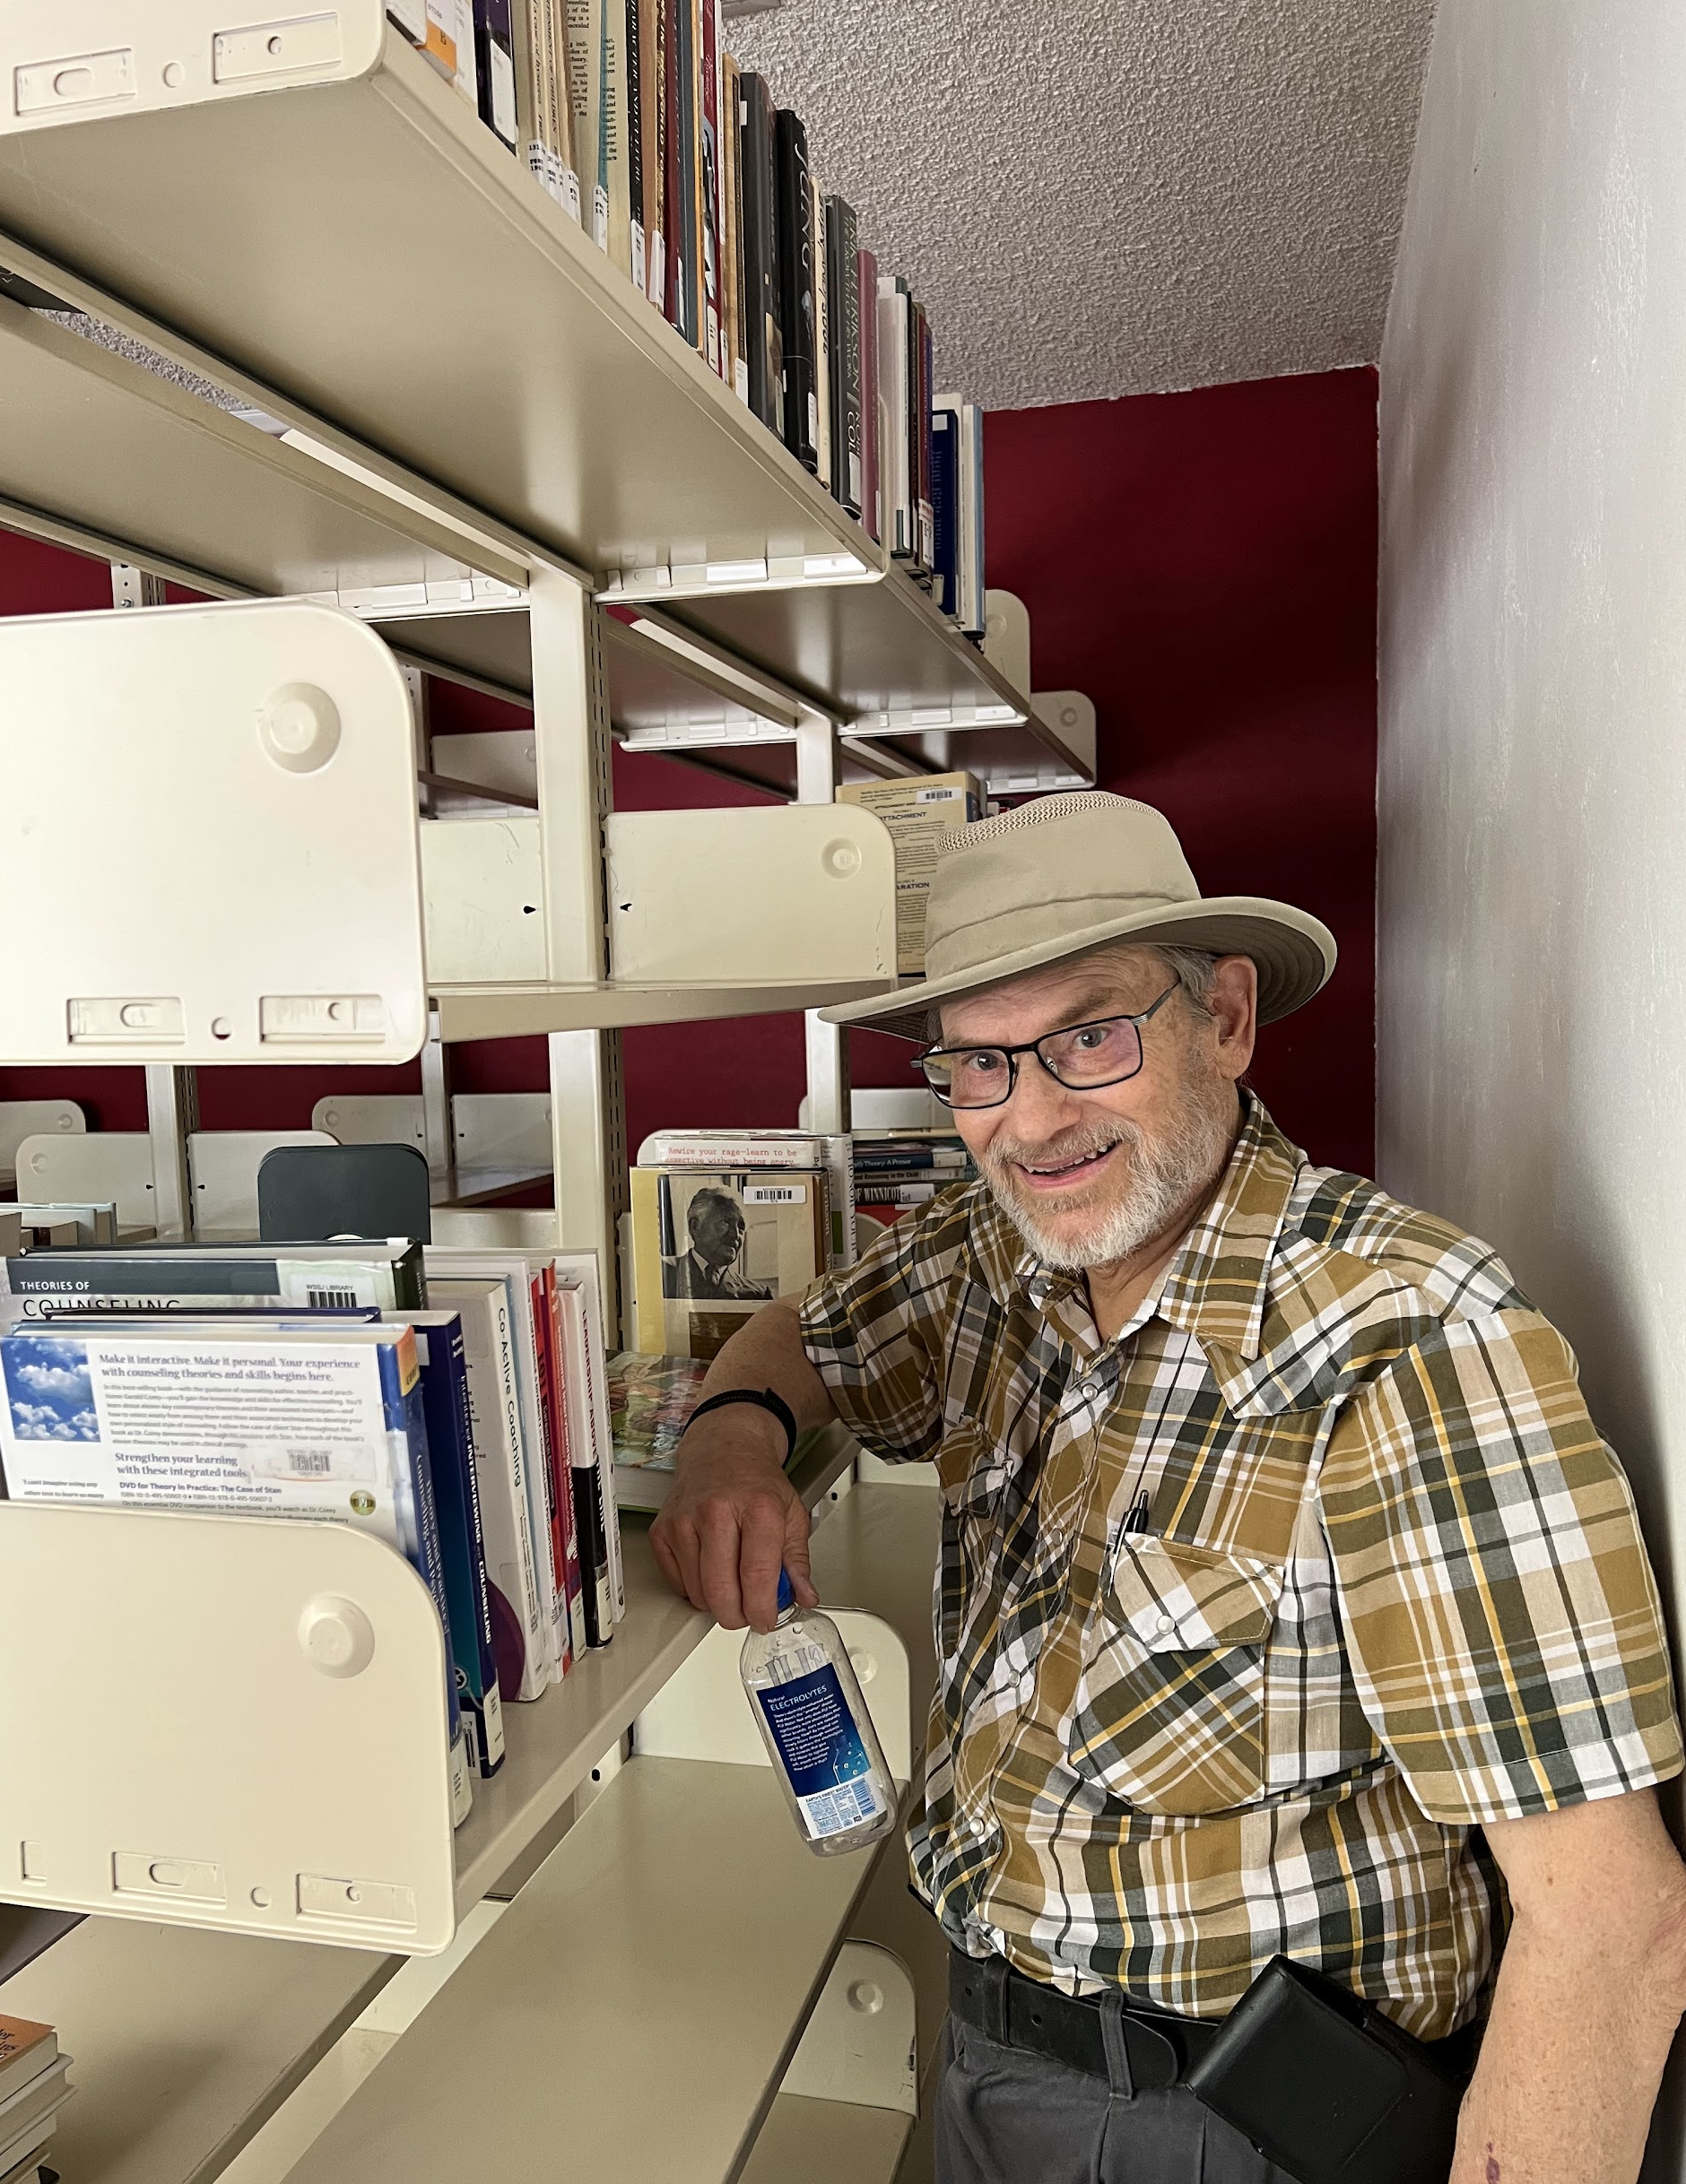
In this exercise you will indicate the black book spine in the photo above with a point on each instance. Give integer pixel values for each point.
(763, 337)
(795, 288)
(842, 245)
(494, 67)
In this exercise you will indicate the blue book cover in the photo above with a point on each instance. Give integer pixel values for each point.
(444, 1367)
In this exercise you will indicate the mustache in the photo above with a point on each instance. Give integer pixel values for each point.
(1079, 1143)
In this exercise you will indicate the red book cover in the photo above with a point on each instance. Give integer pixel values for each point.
(555, 1421)
(866, 270)
(563, 1463)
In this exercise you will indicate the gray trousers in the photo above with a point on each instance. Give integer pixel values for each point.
(1005, 2116)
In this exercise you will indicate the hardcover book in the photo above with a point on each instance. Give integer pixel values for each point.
(733, 314)
(653, 124)
(494, 57)
(866, 285)
(821, 340)
(520, 1629)
(764, 347)
(843, 327)
(794, 227)
(708, 178)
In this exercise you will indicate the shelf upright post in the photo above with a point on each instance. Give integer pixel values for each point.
(172, 1094)
(570, 733)
(172, 1116)
(827, 1043)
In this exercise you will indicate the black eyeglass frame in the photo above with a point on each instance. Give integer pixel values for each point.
(1035, 1046)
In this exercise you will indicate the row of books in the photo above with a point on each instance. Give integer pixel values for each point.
(452, 1402)
(699, 188)
(32, 2090)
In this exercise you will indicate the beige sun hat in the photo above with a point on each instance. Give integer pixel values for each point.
(1065, 873)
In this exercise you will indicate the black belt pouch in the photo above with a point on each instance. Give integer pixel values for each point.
(1326, 2087)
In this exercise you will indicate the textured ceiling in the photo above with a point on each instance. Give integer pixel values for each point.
(1099, 197)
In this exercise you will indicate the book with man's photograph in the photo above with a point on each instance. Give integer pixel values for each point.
(710, 1246)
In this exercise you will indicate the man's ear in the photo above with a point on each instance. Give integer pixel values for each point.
(1233, 1002)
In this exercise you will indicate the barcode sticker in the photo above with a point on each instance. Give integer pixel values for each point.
(939, 796)
(775, 1194)
(310, 1463)
(338, 1299)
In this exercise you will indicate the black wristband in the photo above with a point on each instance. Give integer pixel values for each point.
(763, 1398)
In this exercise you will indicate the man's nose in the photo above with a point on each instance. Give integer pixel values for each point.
(1040, 1106)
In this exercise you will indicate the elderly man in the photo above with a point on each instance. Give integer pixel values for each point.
(1290, 1603)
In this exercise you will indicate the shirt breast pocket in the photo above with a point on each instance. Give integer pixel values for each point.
(1170, 1711)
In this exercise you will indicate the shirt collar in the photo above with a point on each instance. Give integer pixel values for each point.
(1216, 1286)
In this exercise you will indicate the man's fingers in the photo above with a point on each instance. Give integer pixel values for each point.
(795, 1551)
(761, 1556)
(717, 1530)
(680, 1557)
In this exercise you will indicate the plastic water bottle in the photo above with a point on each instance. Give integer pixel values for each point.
(818, 1733)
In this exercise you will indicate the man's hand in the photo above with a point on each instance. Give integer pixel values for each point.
(732, 1520)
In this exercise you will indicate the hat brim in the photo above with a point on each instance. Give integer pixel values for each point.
(1295, 954)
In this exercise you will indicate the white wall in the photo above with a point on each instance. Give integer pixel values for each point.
(1531, 1020)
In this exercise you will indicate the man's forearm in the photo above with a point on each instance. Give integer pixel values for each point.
(1580, 2030)
(767, 1352)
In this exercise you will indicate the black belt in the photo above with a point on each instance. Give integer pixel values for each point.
(988, 1994)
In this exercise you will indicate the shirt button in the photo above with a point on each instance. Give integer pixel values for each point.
(1089, 1390)
(1167, 1623)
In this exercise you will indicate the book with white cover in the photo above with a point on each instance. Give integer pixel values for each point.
(450, 1262)
(501, 1463)
(323, 1423)
(732, 1149)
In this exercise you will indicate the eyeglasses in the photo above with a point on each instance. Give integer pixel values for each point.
(1083, 1058)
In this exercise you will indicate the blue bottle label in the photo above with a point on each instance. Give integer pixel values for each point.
(821, 1749)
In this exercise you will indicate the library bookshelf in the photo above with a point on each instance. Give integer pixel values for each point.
(440, 412)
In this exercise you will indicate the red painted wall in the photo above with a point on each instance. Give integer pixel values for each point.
(1202, 565)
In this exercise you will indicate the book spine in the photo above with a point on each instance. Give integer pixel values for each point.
(406, 1426)
(594, 1476)
(565, 155)
(866, 283)
(614, 172)
(462, 1540)
(843, 302)
(690, 164)
(795, 288)
(633, 129)
(528, 50)
(823, 457)
(972, 487)
(709, 180)
(653, 21)
(440, 42)
(508, 1503)
(896, 508)
(734, 318)
(563, 1459)
(945, 489)
(922, 418)
(765, 355)
(467, 76)
(584, 79)
(843, 1241)
(603, 1438)
(494, 43)
(673, 176)
(551, 1447)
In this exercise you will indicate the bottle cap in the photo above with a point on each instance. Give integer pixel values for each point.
(787, 1592)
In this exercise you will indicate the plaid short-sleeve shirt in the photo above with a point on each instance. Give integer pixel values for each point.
(1390, 1585)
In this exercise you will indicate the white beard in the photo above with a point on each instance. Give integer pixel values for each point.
(1167, 1174)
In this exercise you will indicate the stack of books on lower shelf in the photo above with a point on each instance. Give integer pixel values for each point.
(32, 2090)
(453, 1403)
(897, 1169)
